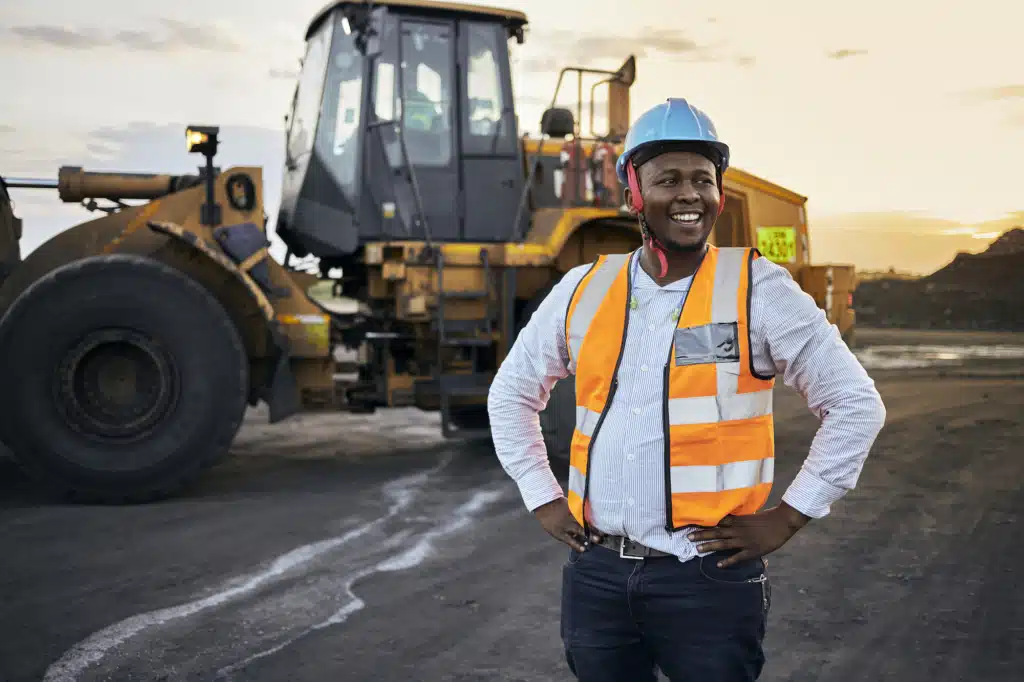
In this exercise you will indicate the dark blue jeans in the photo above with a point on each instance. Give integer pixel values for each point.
(621, 618)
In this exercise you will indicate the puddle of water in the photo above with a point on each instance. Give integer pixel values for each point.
(911, 357)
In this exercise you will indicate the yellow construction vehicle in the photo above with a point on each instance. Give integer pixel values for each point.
(130, 345)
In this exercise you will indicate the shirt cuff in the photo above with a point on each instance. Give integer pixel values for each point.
(538, 487)
(812, 496)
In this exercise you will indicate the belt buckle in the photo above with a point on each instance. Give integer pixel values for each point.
(622, 551)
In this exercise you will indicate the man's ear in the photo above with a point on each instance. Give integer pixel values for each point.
(628, 197)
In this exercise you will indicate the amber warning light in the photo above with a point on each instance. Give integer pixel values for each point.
(202, 140)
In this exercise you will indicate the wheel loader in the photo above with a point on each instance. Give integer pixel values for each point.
(132, 344)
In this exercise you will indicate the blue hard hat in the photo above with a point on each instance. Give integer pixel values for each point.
(675, 120)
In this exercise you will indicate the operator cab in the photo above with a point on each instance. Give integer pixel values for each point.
(402, 127)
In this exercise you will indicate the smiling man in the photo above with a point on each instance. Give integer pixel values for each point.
(675, 349)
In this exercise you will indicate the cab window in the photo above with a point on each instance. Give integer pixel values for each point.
(306, 105)
(487, 125)
(338, 134)
(426, 79)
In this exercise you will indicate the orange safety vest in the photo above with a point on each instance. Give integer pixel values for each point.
(717, 412)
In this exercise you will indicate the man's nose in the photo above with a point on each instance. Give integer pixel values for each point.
(688, 193)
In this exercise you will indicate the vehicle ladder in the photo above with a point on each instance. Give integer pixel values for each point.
(475, 336)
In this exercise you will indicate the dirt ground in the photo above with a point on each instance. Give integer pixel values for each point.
(366, 548)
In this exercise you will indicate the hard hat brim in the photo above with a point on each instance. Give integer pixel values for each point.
(716, 152)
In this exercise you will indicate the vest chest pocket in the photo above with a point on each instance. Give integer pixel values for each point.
(707, 344)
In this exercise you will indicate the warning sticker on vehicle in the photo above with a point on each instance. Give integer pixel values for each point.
(777, 244)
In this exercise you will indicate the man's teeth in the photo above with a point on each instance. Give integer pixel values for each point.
(691, 217)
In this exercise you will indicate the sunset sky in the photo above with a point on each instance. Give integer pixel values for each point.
(903, 121)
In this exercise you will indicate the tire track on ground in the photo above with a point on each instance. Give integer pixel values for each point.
(97, 646)
(461, 517)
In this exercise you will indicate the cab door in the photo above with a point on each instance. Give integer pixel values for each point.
(492, 170)
(415, 85)
(428, 120)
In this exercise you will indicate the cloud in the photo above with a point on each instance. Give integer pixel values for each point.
(657, 40)
(529, 108)
(541, 64)
(283, 74)
(1003, 92)
(846, 53)
(101, 151)
(142, 146)
(147, 148)
(913, 242)
(57, 36)
(168, 36)
(571, 48)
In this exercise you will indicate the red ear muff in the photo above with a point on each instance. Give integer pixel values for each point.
(721, 203)
(638, 205)
(634, 187)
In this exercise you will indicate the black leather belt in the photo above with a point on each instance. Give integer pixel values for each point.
(629, 549)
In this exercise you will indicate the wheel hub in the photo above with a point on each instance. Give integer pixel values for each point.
(116, 384)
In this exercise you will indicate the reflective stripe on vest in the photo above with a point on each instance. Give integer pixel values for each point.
(717, 414)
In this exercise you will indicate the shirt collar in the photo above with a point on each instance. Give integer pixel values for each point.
(644, 281)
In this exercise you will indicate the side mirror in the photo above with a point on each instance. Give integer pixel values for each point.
(366, 28)
(557, 122)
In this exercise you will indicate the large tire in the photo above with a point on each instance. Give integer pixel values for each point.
(121, 379)
(558, 418)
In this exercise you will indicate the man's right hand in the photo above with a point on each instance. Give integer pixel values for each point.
(558, 521)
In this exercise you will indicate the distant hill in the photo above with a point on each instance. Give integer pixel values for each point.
(974, 291)
(1008, 242)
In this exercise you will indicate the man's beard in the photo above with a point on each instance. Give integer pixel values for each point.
(683, 248)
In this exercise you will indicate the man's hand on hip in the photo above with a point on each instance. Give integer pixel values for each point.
(558, 521)
(754, 535)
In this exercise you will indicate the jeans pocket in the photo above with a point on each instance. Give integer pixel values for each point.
(574, 557)
(743, 573)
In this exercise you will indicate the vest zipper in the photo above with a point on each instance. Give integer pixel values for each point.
(668, 444)
(665, 427)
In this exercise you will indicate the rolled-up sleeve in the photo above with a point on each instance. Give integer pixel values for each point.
(520, 391)
(793, 339)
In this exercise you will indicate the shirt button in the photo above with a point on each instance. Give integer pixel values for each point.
(636, 410)
(631, 457)
(651, 327)
(643, 368)
(631, 502)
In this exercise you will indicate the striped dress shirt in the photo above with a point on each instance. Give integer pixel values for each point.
(790, 338)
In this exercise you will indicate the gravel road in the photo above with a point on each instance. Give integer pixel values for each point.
(366, 548)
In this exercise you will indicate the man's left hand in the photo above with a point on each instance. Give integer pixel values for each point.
(754, 535)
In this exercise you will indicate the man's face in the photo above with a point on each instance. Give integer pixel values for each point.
(681, 198)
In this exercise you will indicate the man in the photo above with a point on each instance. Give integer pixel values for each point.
(674, 349)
